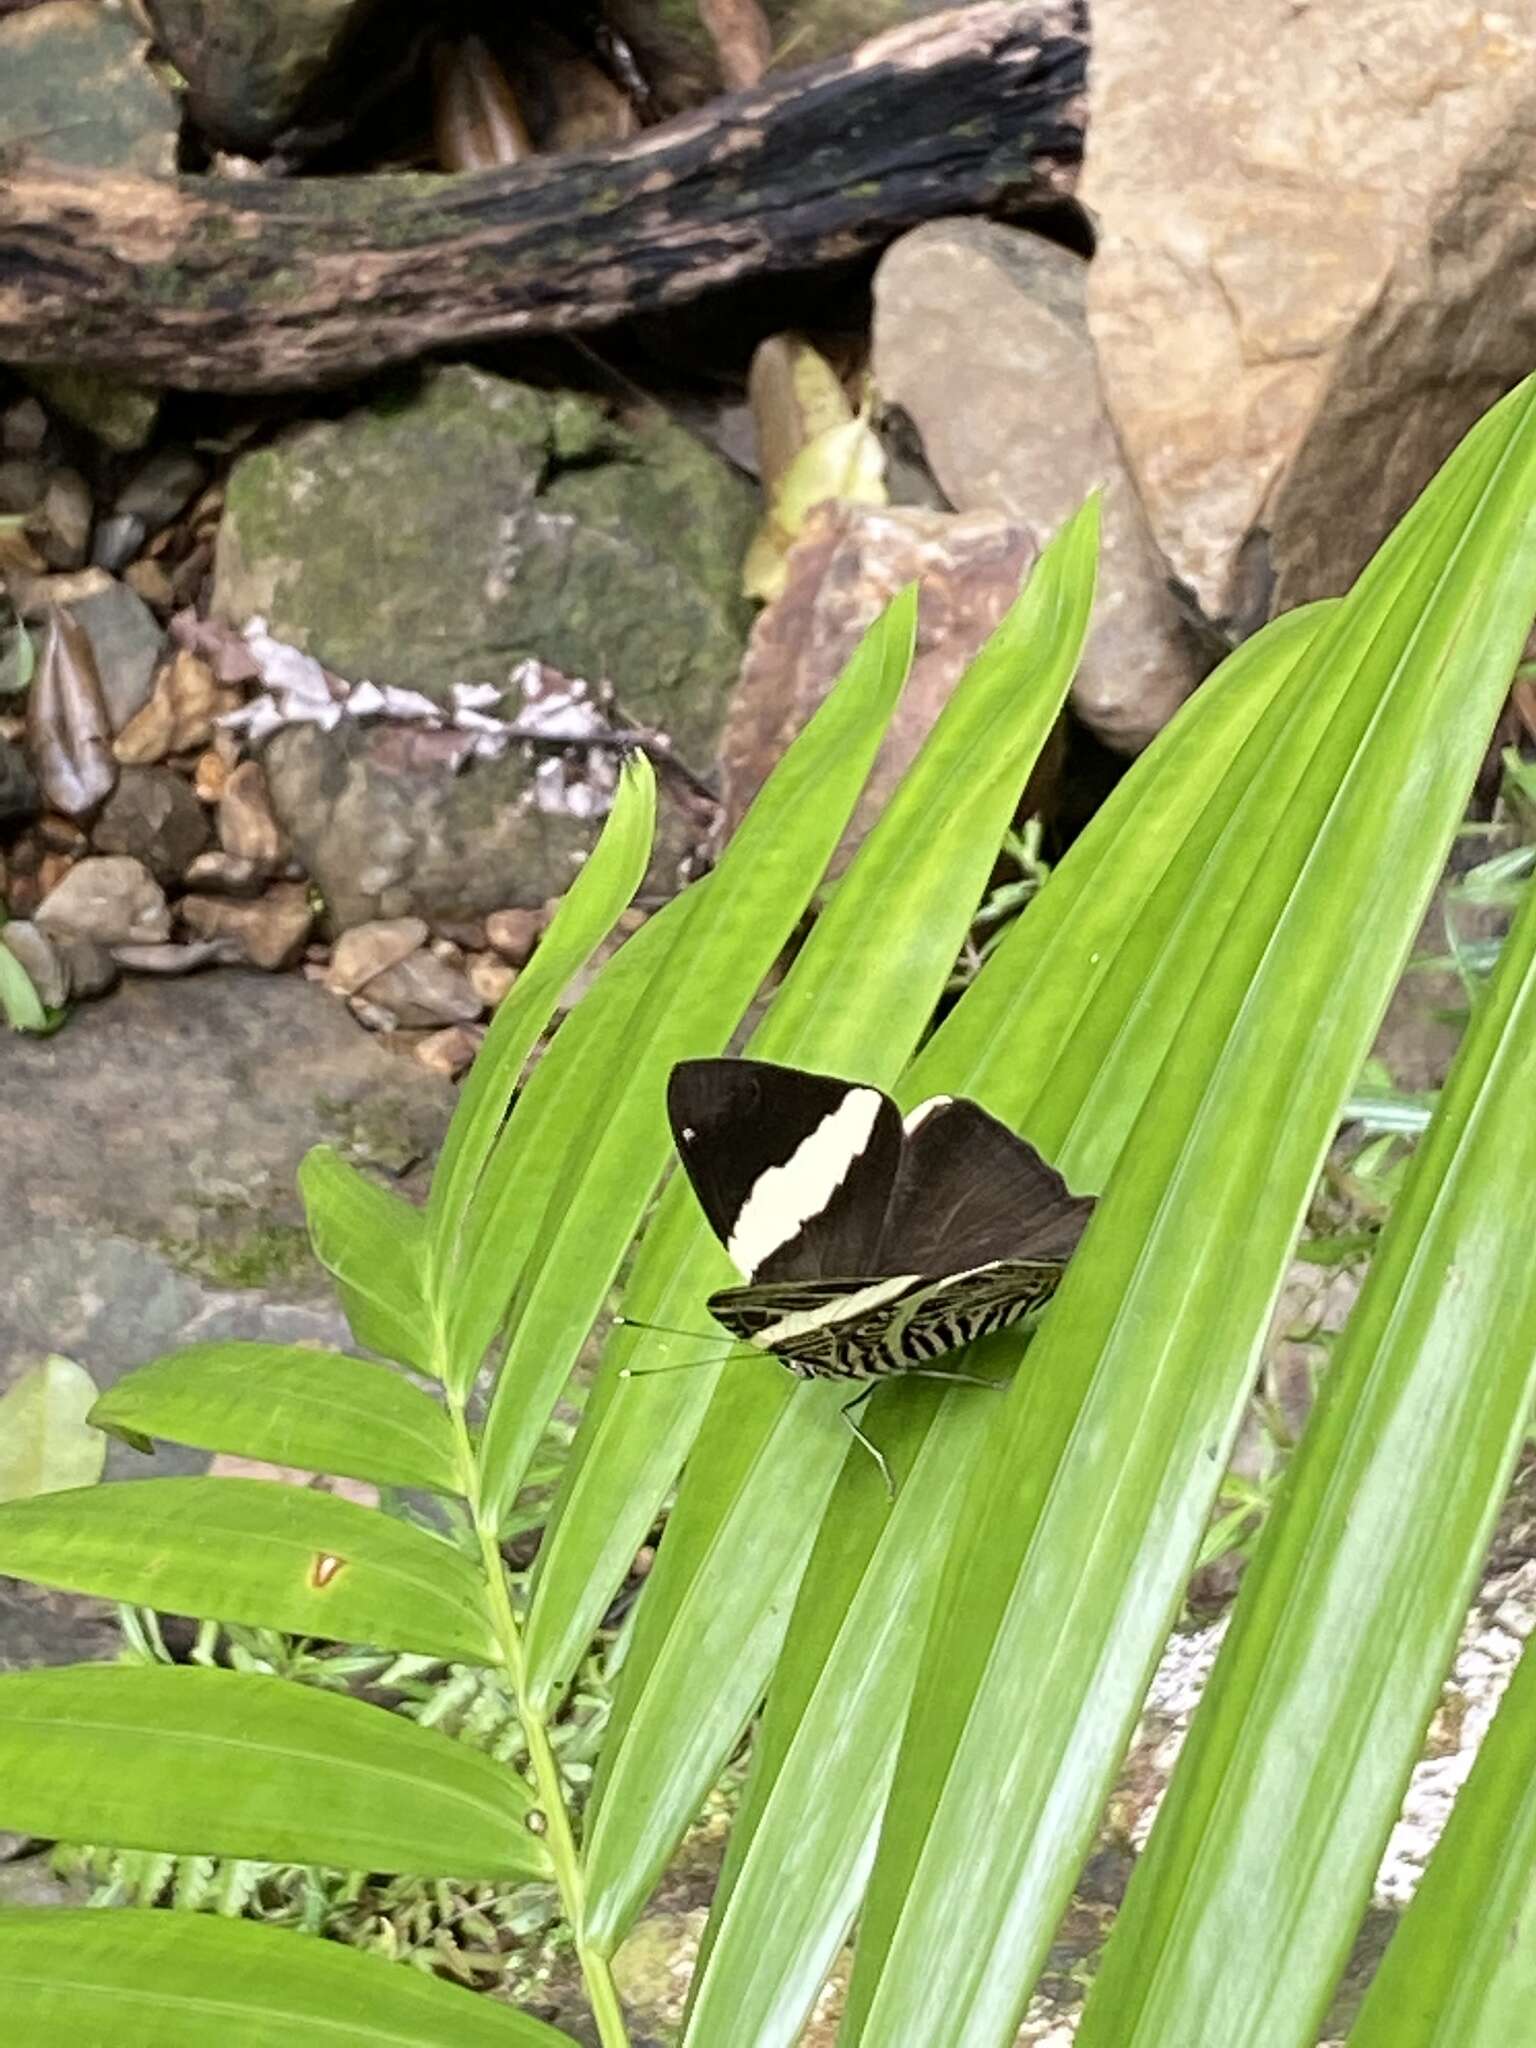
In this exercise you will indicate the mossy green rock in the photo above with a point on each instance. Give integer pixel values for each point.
(445, 536)
(250, 65)
(75, 88)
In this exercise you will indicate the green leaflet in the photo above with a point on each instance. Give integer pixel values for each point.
(229, 1763)
(588, 912)
(184, 1980)
(1108, 1451)
(319, 1410)
(245, 1550)
(1349, 1615)
(614, 1139)
(1460, 1971)
(824, 1753)
(716, 1605)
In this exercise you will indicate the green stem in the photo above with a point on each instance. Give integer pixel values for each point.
(543, 1768)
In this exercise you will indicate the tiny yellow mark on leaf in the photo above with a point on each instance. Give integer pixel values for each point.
(324, 1570)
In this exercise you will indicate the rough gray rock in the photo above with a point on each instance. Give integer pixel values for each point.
(148, 1197)
(153, 816)
(126, 639)
(981, 337)
(250, 68)
(536, 527)
(75, 89)
(109, 898)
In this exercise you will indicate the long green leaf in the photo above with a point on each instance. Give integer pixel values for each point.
(731, 939)
(225, 1763)
(182, 1980)
(855, 1002)
(526, 1172)
(715, 1608)
(1349, 1614)
(587, 913)
(374, 1246)
(823, 1756)
(319, 1410)
(1107, 1452)
(243, 1550)
(1460, 1972)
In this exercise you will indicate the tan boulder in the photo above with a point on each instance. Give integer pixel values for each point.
(1314, 269)
(981, 337)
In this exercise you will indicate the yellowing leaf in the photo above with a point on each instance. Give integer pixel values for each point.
(46, 1444)
(843, 464)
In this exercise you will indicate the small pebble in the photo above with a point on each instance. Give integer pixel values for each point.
(246, 824)
(151, 583)
(226, 874)
(450, 1052)
(490, 977)
(365, 951)
(162, 487)
(109, 898)
(270, 933)
(171, 960)
(211, 775)
(116, 541)
(514, 933)
(23, 427)
(423, 990)
(67, 514)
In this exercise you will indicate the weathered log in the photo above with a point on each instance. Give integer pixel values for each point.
(243, 285)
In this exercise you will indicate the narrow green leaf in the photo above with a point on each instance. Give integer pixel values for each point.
(712, 1617)
(1349, 1614)
(1460, 1972)
(823, 1756)
(186, 1980)
(243, 1550)
(225, 1763)
(856, 1000)
(587, 913)
(729, 942)
(374, 1246)
(319, 1410)
(1108, 1451)
(526, 1173)
(46, 1439)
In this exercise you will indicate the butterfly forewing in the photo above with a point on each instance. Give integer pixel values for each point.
(793, 1170)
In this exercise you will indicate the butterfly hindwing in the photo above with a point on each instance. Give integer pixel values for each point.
(792, 1169)
(969, 1191)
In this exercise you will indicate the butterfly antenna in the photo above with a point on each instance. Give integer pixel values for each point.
(666, 1329)
(649, 1372)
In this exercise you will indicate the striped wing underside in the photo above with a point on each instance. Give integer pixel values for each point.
(860, 1329)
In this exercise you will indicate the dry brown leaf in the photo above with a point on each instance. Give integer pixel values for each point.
(476, 120)
(68, 730)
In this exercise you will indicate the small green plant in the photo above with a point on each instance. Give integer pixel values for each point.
(946, 1679)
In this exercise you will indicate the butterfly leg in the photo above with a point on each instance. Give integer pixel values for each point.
(960, 1379)
(849, 1408)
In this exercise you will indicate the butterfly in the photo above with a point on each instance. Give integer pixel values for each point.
(870, 1245)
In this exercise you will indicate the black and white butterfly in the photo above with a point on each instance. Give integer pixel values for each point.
(870, 1245)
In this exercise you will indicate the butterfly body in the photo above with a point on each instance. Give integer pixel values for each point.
(870, 1246)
